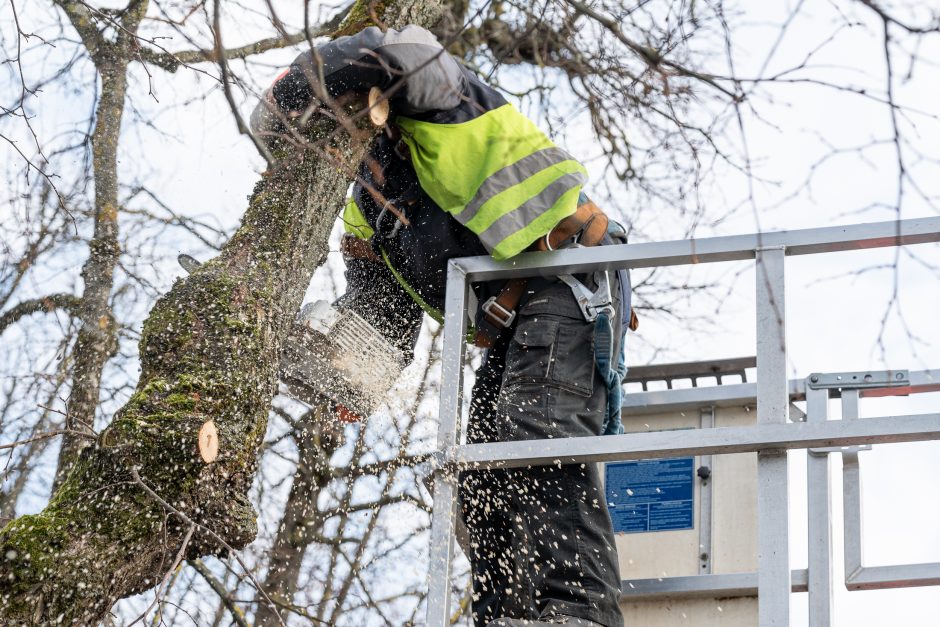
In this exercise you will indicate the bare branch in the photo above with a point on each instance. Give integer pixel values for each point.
(45, 436)
(45, 304)
(218, 587)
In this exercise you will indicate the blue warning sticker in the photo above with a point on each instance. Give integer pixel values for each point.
(651, 494)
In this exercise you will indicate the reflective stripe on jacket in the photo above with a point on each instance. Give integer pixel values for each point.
(497, 174)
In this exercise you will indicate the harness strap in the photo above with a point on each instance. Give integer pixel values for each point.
(597, 307)
(612, 376)
(499, 312)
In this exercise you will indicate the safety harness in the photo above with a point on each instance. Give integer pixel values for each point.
(586, 227)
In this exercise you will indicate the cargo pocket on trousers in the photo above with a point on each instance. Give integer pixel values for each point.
(522, 412)
(573, 368)
(531, 353)
(555, 351)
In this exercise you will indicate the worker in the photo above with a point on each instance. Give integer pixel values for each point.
(460, 172)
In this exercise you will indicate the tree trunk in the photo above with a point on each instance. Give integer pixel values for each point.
(97, 339)
(209, 351)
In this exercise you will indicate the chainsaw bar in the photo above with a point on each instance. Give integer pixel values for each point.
(334, 354)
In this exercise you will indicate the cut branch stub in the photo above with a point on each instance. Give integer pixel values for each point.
(209, 442)
(378, 107)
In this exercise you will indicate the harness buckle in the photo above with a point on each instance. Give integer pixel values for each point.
(497, 312)
(592, 304)
(598, 310)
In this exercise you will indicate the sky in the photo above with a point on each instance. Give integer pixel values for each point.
(834, 316)
(834, 313)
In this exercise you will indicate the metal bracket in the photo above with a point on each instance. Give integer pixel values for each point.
(591, 303)
(871, 379)
(839, 449)
(706, 497)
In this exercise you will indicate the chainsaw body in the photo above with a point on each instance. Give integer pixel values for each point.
(333, 354)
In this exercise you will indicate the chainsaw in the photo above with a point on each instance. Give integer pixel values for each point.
(332, 355)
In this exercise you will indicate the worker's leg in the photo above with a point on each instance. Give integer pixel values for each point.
(552, 538)
(486, 507)
(573, 558)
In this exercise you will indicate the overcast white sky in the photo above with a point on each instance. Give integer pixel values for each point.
(833, 325)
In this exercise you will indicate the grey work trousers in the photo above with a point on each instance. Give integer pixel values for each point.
(541, 541)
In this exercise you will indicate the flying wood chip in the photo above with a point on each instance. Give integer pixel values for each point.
(208, 442)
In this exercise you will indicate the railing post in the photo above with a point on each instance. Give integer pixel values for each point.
(819, 515)
(773, 585)
(851, 495)
(706, 558)
(445, 479)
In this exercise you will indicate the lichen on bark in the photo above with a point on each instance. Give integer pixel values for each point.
(209, 350)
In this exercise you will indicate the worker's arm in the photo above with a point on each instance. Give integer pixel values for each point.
(372, 290)
(419, 75)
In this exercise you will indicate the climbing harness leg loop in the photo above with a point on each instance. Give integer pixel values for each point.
(597, 306)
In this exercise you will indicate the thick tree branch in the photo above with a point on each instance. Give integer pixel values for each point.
(317, 436)
(83, 21)
(209, 351)
(45, 304)
(172, 61)
(97, 335)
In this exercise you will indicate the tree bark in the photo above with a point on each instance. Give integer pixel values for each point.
(209, 350)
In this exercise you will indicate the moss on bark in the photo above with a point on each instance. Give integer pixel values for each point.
(209, 350)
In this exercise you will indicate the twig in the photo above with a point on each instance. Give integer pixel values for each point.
(48, 434)
(136, 476)
(176, 562)
(237, 615)
(227, 88)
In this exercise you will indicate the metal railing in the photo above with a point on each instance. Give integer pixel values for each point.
(770, 438)
(716, 369)
(847, 386)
